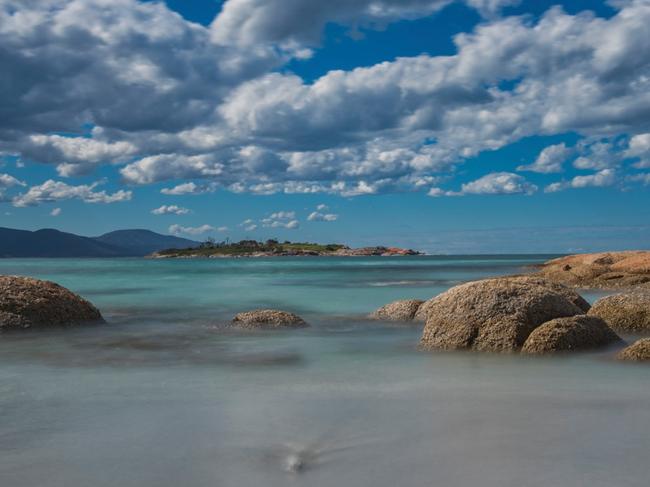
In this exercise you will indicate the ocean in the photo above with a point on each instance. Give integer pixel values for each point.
(166, 394)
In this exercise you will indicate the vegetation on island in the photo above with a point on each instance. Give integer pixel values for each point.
(251, 247)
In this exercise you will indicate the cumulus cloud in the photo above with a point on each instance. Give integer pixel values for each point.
(550, 160)
(171, 166)
(170, 210)
(171, 100)
(499, 183)
(643, 178)
(317, 216)
(597, 155)
(55, 212)
(606, 177)
(639, 147)
(194, 231)
(7, 181)
(189, 188)
(122, 64)
(80, 154)
(51, 191)
(248, 225)
(281, 219)
(292, 23)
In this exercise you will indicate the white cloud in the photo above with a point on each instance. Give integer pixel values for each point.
(322, 207)
(188, 188)
(51, 191)
(278, 219)
(170, 210)
(279, 215)
(248, 225)
(316, 216)
(643, 178)
(603, 178)
(292, 23)
(171, 166)
(55, 212)
(194, 231)
(499, 183)
(550, 160)
(596, 155)
(223, 229)
(171, 100)
(122, 64)
(80, 154)
(8, 181)
(639, 147)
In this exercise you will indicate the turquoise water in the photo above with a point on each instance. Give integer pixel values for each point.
(167, 395)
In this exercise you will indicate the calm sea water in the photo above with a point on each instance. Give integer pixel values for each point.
(167, 395)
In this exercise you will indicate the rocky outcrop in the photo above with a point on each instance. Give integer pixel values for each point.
(628, 312)
(374, 251)
(637, 352)
(423, 311)
(492, 315)
(569, 334)
(32, 303)
(403, 310)
(268, 319)
(605, 270)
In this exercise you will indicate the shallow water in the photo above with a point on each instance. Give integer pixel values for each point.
(166, 395)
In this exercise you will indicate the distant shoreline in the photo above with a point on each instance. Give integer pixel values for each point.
(272, 248)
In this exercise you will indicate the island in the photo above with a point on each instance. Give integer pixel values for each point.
(274, 248)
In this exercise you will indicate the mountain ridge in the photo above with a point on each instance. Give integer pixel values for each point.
(49, 242)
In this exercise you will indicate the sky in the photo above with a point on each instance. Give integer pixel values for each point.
(450, 126)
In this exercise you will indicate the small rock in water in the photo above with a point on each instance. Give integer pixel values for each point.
(268, 319)
(637, 352)
(403, 310)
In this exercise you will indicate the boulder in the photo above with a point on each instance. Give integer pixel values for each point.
(639, 351)
(32, 303)
(569, 334)
(601, 270)
(492, 315)
(403, 310)
(268, 319)
(568, 293)
(628, 312)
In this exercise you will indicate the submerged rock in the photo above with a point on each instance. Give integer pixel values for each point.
(492, 315)
(600, 270)
(403, 310)
(32, 303)
(628, 312)
(268, 319)
(568, 334)
(639, 351)
(571, 295)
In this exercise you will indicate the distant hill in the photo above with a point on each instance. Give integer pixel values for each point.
(144, 242)
(53, 243)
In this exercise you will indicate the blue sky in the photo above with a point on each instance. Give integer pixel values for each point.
(449, 126)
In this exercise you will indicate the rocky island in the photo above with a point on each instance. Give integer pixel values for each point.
(274, 248)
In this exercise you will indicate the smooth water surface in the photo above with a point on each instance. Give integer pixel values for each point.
(167, 395)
